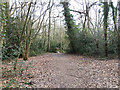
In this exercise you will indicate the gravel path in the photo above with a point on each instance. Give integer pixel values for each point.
(59, 70)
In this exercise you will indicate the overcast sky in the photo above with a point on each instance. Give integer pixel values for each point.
(74, 4)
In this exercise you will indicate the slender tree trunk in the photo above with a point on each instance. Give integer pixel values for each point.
(119, 40)
(1, 43)
(28, 41)
(119, 30)
(7, 22)
(49, 29)
(105, 37)
(87, 12)
(1, 39)
(54, 29)
(26, 52)
(26, 55)
(44, 39)
(1, 26)
(84, 23)
(106, 11)
(60, 35)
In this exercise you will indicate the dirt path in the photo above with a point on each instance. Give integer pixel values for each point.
(71, 71)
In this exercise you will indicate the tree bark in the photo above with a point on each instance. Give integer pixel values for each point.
(70, 26)
(44, 39)
(106, 10)
(49, 28)
(119, 31)
(26, 54)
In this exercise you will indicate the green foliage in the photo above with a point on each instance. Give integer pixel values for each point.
(36, 47)
(11, 41)
(54, 46)
(83, 41)
(72, 29)
(80, 41)
(113, 43)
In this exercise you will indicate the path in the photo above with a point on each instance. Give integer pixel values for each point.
(71, 71)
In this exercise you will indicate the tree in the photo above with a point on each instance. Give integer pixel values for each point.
(49, 28)
(1, 26)
(87, 18)
(114, 14)
(71, 27)
(106, 11)
(8, 25)
(19, 28)
(119, 30)
(29, 33)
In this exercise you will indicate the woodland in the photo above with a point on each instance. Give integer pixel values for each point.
(46, 43)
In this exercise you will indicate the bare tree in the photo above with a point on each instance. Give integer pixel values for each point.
(49, 28)
(86, 12)
(106, 11)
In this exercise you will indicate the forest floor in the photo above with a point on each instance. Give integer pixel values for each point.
(57, 70)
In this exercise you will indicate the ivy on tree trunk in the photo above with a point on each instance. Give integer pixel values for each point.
(70, 26)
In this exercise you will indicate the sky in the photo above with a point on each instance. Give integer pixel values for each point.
(78, 5)
(75, 5)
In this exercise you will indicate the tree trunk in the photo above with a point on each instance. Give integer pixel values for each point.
(44, 39)
(26, 54)
(70, 26)
(54, 29)
(49, 29)
(114, 18)
(106, 10)
(119, 31)
(8, 22)
(1, 42)
(87, 12)
(84, 23)
(60, 35)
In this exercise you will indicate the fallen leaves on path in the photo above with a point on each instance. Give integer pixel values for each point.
(57, 70)
(73, 71)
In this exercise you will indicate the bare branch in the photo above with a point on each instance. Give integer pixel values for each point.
(78, 11)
